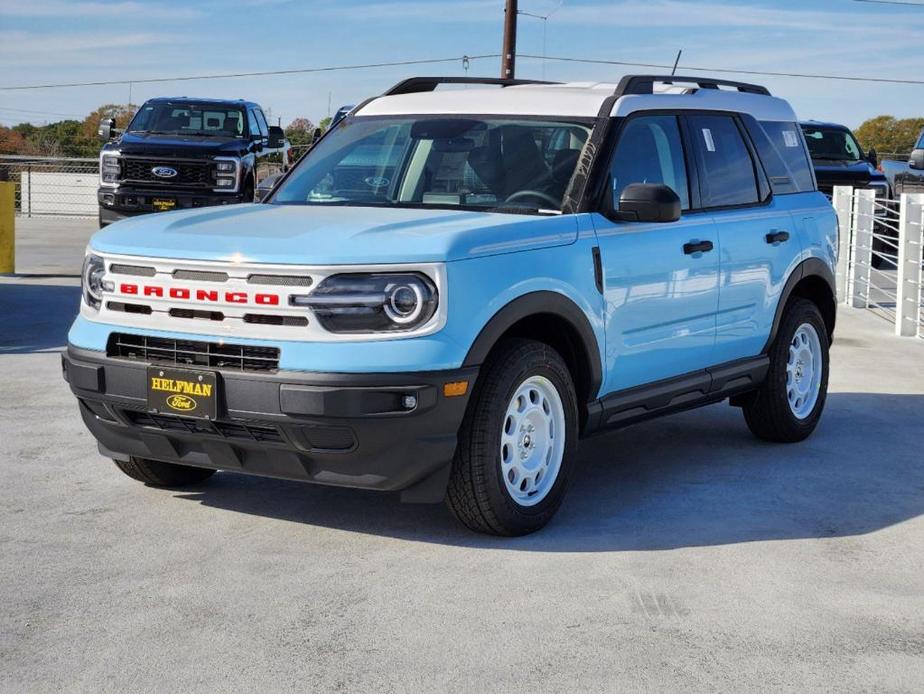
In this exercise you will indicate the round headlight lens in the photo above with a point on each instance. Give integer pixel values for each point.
(405, 302)
(92, 280)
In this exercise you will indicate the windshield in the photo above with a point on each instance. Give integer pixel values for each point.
(208, 120)
(832, 144)
(499, 164)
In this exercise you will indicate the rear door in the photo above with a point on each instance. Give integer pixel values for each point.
(757, 242)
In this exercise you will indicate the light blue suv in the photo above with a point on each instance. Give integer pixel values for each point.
(456, 285)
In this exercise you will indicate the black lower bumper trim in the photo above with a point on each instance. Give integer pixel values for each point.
(350, 430)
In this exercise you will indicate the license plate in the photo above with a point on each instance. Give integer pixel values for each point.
(183, 392)
(163, 205)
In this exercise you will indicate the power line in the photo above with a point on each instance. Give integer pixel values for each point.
(265, 73)
(847, 78)
(41, 113)
(892, 2)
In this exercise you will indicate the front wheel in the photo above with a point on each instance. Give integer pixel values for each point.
(790, 402)
(516, 446)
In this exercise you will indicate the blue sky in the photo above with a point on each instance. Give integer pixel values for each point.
(44, 41)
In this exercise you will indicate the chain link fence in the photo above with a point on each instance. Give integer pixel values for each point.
(52, 186)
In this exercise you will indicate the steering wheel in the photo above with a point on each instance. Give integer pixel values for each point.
(553, 203)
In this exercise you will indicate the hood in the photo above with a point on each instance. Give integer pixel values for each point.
(179, 145)
(315, 235)
(856, 173)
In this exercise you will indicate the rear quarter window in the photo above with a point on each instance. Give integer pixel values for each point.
(783, 152)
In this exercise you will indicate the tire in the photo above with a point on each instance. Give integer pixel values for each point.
(158, 474)
(102, 224)
(772, 415)
(507, 477)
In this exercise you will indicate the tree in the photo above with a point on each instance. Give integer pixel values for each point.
(123, 113)
(300, 131)
(11, 141)
(325, 124)
(889, 134)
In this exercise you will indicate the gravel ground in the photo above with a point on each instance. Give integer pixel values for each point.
(688, 556)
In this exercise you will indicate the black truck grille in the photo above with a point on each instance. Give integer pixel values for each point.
(163, 350)
(188, 173)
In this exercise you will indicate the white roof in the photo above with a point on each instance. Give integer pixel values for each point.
(574, 99)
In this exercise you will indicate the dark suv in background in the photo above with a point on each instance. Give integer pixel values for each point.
(183, 152)
(839, 160)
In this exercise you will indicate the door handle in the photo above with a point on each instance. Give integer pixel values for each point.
(697, 247)
(777, 237)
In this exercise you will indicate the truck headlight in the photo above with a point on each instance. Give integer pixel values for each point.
(226, 174)
(225, 166)
(109, 168)
(370, 303)
(91, 281)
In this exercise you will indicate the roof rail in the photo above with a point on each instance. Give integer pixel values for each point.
(413, 85)
(644, 84)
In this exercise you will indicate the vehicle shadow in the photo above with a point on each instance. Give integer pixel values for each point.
(36, 317)
(695, 479)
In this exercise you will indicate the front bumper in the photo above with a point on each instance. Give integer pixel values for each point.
(129, 201)
(340, 429)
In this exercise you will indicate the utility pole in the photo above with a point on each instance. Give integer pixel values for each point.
(509, 52)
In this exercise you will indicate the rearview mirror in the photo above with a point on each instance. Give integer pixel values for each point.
(916, 160)
(107, 129)
(648, 202)
(277, 137)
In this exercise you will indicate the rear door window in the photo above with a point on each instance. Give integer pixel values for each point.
(727, 176)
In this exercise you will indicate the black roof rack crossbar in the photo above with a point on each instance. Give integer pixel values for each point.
(644, 84)
(413, 85)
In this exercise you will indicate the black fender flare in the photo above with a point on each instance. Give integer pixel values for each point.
(812, 267)
(537, 303)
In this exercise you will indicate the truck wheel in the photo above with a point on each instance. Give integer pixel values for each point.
(517, 442)
(789, 404)
(158, 474)
(102, 224)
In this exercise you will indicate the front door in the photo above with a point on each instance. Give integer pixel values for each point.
(661, 280)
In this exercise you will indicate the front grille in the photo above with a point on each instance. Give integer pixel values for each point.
(165, 350)
(184, 425)
(188, 173)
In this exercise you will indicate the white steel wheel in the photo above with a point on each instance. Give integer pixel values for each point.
(804, 371)
(532, 441)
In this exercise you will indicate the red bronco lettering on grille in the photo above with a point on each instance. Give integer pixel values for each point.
(212, 296)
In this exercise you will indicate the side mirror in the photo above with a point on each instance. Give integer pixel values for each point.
(316, 135)
(916, 160)
(277, 137)
(107, 129)
(872, 156)
(265, 187)
(648, 202)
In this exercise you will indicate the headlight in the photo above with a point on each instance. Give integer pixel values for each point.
(91, 281)
(369, 303)
(226, 166)
(225, 182)
(109, 169)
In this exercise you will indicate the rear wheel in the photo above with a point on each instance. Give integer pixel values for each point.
(159, 474)
(789, 404)
(517, 443)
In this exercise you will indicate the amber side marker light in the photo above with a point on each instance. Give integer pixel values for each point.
(455, 389)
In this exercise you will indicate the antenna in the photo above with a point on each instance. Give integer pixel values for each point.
(677, 62)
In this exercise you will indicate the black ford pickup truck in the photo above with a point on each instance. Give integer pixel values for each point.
(184, 152)
(839, 160)
(906, 176)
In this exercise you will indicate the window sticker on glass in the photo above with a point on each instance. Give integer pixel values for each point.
(790, 139)
(707, 136)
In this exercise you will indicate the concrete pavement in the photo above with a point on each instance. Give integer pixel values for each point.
(687, 556)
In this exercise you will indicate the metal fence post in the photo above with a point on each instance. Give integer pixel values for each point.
(861, 260)
(843, 199)
(910, 235)
(29, 179)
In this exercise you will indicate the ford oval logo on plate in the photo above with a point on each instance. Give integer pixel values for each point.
(163, 172)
